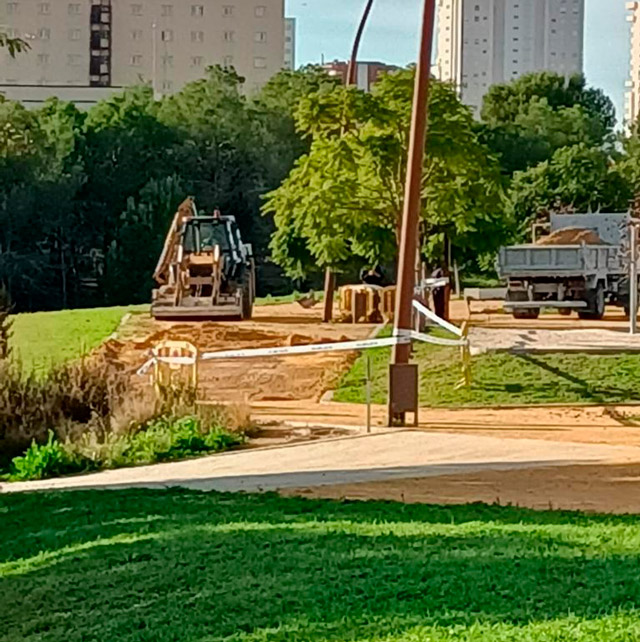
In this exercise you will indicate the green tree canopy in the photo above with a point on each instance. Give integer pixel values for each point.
(579, 178)
(525, 121)
(343, 200)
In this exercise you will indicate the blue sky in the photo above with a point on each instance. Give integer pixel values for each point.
(326, 27)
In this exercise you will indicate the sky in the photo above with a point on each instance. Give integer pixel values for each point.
(327, 27)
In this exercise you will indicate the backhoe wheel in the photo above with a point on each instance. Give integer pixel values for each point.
(247, 296)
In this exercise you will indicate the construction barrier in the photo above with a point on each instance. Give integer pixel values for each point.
(160, 356)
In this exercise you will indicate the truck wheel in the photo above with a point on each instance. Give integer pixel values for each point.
(526, 313)
(522, 313)
(595, 305)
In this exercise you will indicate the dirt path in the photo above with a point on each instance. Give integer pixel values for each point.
(603, 488)
(383, 457)
(238, 380)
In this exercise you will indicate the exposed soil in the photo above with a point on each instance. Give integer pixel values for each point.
(598, 488)
(243, 380)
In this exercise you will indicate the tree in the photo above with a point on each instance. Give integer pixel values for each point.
(525, 121)
(342, 202)
(5, 323)
(13, 45)
(581, 178)
(139, 240)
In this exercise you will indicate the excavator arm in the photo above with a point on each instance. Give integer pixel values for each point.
(186, 211)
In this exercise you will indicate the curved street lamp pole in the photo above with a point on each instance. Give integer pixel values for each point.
(409, 236)
(352, 77)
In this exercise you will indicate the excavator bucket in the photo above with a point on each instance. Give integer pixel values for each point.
(205, 272)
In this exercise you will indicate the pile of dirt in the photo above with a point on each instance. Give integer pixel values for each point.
(246, 379)
(572, 236)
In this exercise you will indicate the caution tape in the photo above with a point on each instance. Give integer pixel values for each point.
(424, 310)
(400, 337)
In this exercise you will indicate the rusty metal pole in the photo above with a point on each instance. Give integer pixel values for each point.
(352, 77)
(409, 236)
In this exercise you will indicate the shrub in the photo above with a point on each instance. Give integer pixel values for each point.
(163, 440)
(47, 460)
(70, 400)
(169, 439)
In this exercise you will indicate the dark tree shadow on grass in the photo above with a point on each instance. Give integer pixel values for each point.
(180, 565)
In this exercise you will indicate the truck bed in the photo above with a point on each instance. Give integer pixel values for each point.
(561, 261)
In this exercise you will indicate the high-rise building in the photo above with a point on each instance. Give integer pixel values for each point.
(290, 43)
(84, 49)
(484, 42)
(632, 95)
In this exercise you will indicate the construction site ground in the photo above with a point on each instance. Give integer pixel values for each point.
(584, 458)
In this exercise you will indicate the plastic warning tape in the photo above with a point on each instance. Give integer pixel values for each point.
(424, 310)
(400, 337)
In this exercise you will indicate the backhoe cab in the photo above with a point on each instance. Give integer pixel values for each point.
(205, 271)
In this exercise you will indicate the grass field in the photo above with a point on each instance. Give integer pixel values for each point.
(43, 339)
(500, 378)
(178, 565)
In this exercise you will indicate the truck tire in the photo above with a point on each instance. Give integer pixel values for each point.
(595, 304)
(522, 313)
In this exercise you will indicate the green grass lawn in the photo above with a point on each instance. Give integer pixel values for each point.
(501, 378)
(173, 565)
(43, 339)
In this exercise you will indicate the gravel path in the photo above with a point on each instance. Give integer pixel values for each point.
(546, 340)
(383, 456)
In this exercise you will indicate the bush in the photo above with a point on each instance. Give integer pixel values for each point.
(163, 440)
(70, 400)
(48, 460)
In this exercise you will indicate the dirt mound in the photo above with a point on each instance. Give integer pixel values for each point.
(571, 236)
(239, 380)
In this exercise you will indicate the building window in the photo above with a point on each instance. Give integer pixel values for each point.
(197, 61)
(197, 36)
(43, 59)
(74, 60)
(44, 33)
(167, 85)
(73, 9)
(166, 35)
(166, 11)
(227, 10)
(260, 36)
(261, 11)
(75, 34)
(260, 62)
(136, 34)
(229, 36)
(227, 61)
(135, 60)
(44, 8)
(12, 8)
(197, 10)
(167, 61)
(136, 9)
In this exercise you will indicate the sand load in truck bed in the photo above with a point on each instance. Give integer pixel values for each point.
(572, 236)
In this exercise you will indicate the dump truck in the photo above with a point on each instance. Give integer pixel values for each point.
(581, 265)
(205, 271)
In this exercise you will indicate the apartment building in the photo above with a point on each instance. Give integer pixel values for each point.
(632, 94)
(484, 42)
(367, 73)
(290, 43)
(84, 49)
